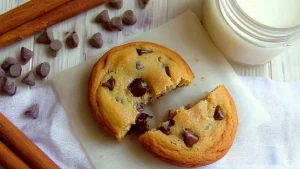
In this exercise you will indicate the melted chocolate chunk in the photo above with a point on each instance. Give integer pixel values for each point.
(188, 106)
(110, 84)
(141, 125)
(218, 115)
(139, 66)
(165, 128)
(137, 88)
(167, 69)
(171, 114)
(143, 51)
(140, 107)
(189, 137)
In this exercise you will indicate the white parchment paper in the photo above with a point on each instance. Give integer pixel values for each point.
(186, 36)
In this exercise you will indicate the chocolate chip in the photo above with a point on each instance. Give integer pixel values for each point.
(218, 115)
(15, 70)
(165, 128)
(25, 55)
(189, 137)
(102, 17)
(8, 62)
(45, 37)
(9, 87)
(29, 79)
(33, 112)
(96, 40)
(2, 72)
(43, 69)
(140, 107)
(117, 4)
(143, 3)
(129, 18)
(110, 84)
(171, 114)
(188, 106)
(141, 125)
(72, 40)
(116, 24)
(54, 47)
(167, 69)
(137, 87)
(139, 66)
(143, 51)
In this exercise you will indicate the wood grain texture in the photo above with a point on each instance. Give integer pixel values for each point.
(285, 67)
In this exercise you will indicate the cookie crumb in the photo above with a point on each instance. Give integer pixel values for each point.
(197, 59)
(101, 156)
(202, 77)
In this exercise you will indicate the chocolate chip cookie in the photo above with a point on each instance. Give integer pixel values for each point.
(129, 76)
(195, 135)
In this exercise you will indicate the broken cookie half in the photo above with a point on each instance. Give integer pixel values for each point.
(195, 135)
(128, 77)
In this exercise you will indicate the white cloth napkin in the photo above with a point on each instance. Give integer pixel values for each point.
(275, 144)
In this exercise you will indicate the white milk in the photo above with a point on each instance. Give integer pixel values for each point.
(275, 13)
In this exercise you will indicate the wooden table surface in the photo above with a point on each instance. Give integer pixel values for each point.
(285, 67)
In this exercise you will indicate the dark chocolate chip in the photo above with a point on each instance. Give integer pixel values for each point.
(102, 17)
(117, 4)
(96, 40)
(116, 24)
(9, 87)
(137, 87)
(55, 46)
(188, 106)
(29, 79)
(25, 55)
(15, 70)
(8, 62)
(171, 114)
(218, 115)
(139, 66)
(143, 51)
(141, 124)
(110, 84)
(143, 3)
(2, 72)
(72, 40)
(165, 128)
(140, 107)
(45, 37)
(167, 69)
(129, 18)
(189, 137)
(33, 112)
(43, 69)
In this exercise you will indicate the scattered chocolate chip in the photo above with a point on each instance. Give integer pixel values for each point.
(55, 46)
(218, 115)
(110, 84)
(116, 24)
(29, 79)
(102, 17)
(33, 112)
(25, 55)
(143, 3)
(140, 107)
(43, 69)
(141, 125)
(15, 70)
(129, 18)
(188, 106)
(8, 62)
(45, 37)
(167, 69)
(189, 138)
(137, 87)
(2, 72)
(143, 51)
(139, 66)
(72, 40)
(165, 128)
(171, 114)
(117, 4)
(9, 87)
(96, 40)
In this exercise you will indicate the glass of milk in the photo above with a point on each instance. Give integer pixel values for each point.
(252, 31)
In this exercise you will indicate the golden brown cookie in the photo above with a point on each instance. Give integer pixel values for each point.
(129, 76)
(195, 135)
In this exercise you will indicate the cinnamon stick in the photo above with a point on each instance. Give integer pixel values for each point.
(9, 160)
(26, 12)
(16, 141)
(50, 18)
